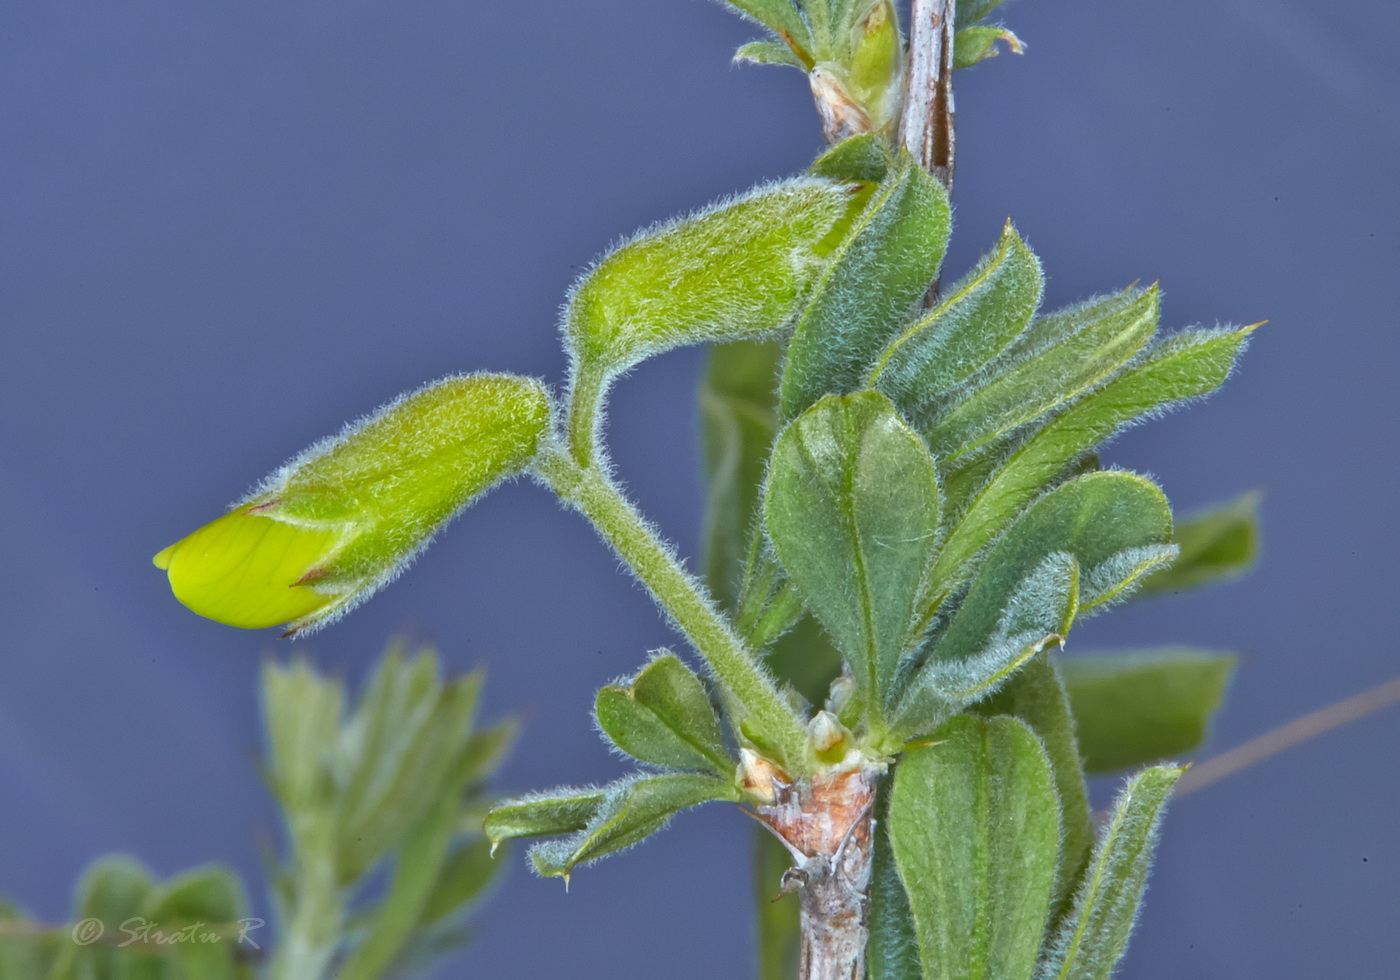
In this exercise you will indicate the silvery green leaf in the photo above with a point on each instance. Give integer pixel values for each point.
(1019, 392)
(1113, 580)
(1092, 939)
(1187, 365)
(1136, 708)
(664, 718)
(974, 820)
(852, 509)
(632, 810)
(1217, 545)
(976, 320)
(862, 298)
(1036, 695)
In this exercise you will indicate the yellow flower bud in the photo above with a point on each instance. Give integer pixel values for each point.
(341, 520)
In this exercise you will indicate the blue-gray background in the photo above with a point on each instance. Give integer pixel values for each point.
(227, 226)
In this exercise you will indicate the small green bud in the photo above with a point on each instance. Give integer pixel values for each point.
(877, 63)
(341, 520)
(734, 271)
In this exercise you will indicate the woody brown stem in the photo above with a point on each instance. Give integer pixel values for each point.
(827, 825)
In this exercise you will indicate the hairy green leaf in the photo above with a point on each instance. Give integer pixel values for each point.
(1141, 707)
(1093, 517)
(780, 17)
(547, 814)
(980, 316)
(1092, 939)
(665, 718)
(969, 12)
(974, 44)
(1185, 366)
(1036, 695)
(974, 821)
(875, 277)
(864, 158)
(768, 53)
(1219, 544)
(852, 508)
(1020, 392)
(892, 952)
(632, 810)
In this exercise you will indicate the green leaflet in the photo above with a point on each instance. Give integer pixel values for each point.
(975, 44)
(874, 279)
(1094, 517)
(1091, 941)
(969, 12)
(779, 16)
(734, 271)
(852, 509)
(665, 718)
(1187, 365)
(1058, 325)
(1217, 545)
(976, 321)
(1021, 391)
(1036, 695)
(974, 821)
(1038, 613)
(865, 159)
(632, 810)
(1141, 707)
(559, 811)
(768, 53)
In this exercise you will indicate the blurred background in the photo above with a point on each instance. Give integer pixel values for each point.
(228, 226)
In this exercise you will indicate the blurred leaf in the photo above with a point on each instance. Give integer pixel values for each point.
(979, 317)
(974, 821)
(852, 508)
(1021, 391)
(466, 874)
(969, 12)
(113, 890)
(665, 718)
(874, 278)
(1217, 545)
(1036, 695)
(1091, 941)
(892, 952)
(302, 713)
(632, 811)
(1187, 365)
(1141, 707)
(778, 918)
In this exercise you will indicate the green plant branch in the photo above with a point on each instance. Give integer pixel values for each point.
(767, 718)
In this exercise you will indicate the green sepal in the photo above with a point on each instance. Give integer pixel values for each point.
(876, 275)
(550, 813)
(1036, 695)
(664, 718)
(632, 810)
(768, 53)
(852, 509)
(1020, 391)
(1094, 517)
(1217, 545)
(734, 271)
(1038, 614)
(1092, 939)
(978, 318)
(974, 823)
(1187, 365)
(864, 158)
(975, 44)
(1137, 708)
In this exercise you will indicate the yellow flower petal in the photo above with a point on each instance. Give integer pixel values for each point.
(243, 570)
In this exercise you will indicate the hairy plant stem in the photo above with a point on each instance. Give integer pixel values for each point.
(764, 715)
(926, 119)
